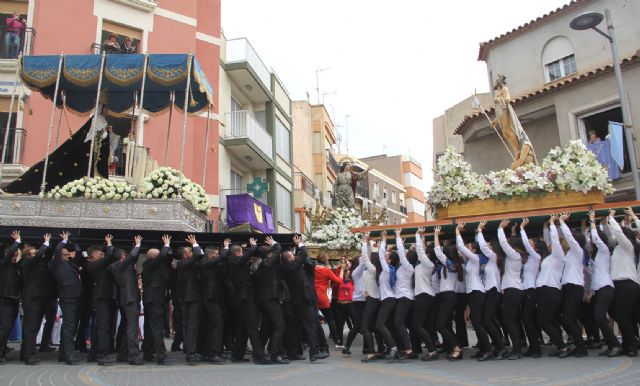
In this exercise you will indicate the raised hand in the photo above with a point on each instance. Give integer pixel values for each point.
(269, 240)
(297, 240)
(629, 212)
(166, 239)
(15, 235)
(191, 239)
(564, 216)
(108, 238)
(481, 225)
(421, 230)
(504, 223)
(137, 240)
(253, 242)
(383, 235)
(612, 212)
(65, 236)
(553, 218)
(366, 236)
(592, 215)
(437, 229)
(524, 222)
(461, 225)
(398, 232)
(46, 237)
(226, 244)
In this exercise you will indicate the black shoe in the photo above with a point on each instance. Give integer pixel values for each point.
(263, 361)
(390, 354)
(3, 360)
(580, 353)
(632, 353)
(279, 360)
(72, 361)
(501, 355)
(31, 361)
(239, 360)
(369, 358)
(91, 358)
(430, 357)
(514, 356)
(614, 352)
(401, 355)
(412, 355)
(594, 345)
(441, 350)
(323, 355)
(136, 362)
(194, 359)
(346, 351)
(162, 362)
(216, 360)
(477, 355)
(148, 358)
(47, 349)
(554, 353)
(297, 357)
(605, 352)
(106, 361)
(486, 357)
(565, 353)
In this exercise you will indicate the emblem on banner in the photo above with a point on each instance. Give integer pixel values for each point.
(258, 211)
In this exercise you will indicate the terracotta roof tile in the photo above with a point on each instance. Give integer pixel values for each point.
(551, 87)
(483, 52)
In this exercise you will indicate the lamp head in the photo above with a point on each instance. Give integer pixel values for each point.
(586, 20)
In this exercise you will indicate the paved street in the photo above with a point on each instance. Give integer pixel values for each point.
(335, 371)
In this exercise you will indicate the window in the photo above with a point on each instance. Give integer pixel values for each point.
(282, 141)
(22, 41)
(235, 105)
(384, 195)
(283, 198)
(561, 68)
(599, 123)
(393, 197)
(235, 182)
(376, 191)
(122, 33)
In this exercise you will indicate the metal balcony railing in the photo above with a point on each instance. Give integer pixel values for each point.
(15, 43)
(240, 50)
(241, 124)
(403, 209)
(98, 48)
(302, 182)
(333, 163)
(15, 145)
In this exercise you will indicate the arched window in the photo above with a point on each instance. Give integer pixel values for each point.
(558, 59)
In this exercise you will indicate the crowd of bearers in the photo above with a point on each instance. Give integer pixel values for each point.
(405, 301)
(266, 293)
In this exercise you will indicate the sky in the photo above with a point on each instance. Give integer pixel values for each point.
(390, 66)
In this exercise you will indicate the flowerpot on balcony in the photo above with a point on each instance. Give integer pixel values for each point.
(557, 199)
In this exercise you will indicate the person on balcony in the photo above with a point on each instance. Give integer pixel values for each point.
(16, 25)
(128, 47)
(111, 45)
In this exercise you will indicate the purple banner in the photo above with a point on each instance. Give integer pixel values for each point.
(244, 209)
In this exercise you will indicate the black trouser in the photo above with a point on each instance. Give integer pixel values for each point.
(8, 314)
(492, 300)
(214, 327)
(69, 309)
(511, 302)
(305, 314)
(403, 308)
(571, 299)
(549, 303)
(585, 317)
(190, 323)
(128, 347)
(422, 306)
(369, 316)
(153, 331)
(443, 319)
(249, 315)
(476, 308)
(50, 313)
(177, 318)
(327, 314)
(627, 292)
(531, 328)
(100, 334)
(357, 309)
(342, 315)
(462, 300)
(386, 309)
(34, 310)
(83, 318)
(271, 311)
(602, 301)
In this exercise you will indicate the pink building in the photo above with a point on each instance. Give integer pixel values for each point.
(79, 27)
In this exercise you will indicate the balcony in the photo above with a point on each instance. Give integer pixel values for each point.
(403, 209)
(301, 182)
(247, 139)
(24, 44)
(12, 163)
(247, 70)
(362, 191)
(332, 164)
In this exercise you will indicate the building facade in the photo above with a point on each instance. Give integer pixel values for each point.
(562, 84)
(80, 27)
(407, 171)
(256, 130)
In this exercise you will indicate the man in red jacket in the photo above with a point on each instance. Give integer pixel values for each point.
(324, 276)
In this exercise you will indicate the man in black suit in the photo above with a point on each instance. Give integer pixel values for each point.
(212, 290)
(155, 278)
(243, 301)
(302, 304)
(36, 296)
(9, 291)
(190, 294)
(65, 268)
(268, 297)
(126, 277)
(103, 295)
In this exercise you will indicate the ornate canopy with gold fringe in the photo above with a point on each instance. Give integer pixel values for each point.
(122, 81)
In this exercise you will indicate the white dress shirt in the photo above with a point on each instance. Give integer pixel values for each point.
(385, 277)
(551, 268)
(447, 283)
(574, 259)
(601, 266)
(404, 274)
(512, 277)
(472, 279)
(491, 270)
(532, 266)
(623, 261)
(423, 272)
(357, 275)
(370, 283)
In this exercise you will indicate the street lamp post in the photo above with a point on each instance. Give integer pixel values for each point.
(590, 20)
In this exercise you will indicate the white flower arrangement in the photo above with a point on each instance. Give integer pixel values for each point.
(95, 188)
(164, 183)
(572, 168)
(335, 231)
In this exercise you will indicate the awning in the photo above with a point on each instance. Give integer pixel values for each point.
(122, 81)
